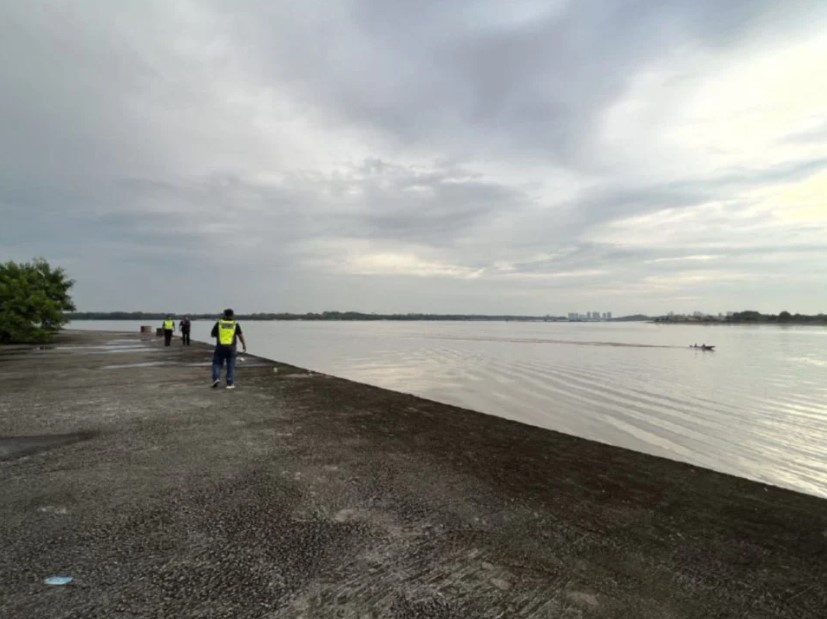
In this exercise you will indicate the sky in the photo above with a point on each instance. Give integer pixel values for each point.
(525, 157)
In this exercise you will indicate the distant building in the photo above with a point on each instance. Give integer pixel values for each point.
(589, 316)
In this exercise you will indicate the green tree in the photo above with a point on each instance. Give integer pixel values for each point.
(747, 316)
(784, 316)
(33, 299)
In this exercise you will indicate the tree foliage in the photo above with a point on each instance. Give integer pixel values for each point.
(33, 299)
(784, 317)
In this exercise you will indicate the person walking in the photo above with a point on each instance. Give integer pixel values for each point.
(185, 326)
(169, 327)
(225, 331)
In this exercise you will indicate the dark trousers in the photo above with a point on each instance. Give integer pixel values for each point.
(185, 338)
(223, 354)
(167, 336)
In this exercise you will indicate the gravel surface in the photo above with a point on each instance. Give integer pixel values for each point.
(303, 495)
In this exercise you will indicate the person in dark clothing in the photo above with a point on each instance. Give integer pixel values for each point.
(185, 326)
(225, 331)
(169, 327)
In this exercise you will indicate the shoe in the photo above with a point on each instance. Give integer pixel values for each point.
(231, 386)
(215, 383)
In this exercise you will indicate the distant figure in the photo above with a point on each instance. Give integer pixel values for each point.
(185, 325)
(225, 332)
(169, 327)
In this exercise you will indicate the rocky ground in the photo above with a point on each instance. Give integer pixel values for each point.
(303, 495)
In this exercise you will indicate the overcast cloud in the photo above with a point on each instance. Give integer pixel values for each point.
(531, 156)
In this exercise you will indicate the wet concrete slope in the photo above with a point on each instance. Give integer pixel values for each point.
(303, 495)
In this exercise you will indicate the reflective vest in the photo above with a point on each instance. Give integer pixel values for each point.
(169, 325)
(226, 332)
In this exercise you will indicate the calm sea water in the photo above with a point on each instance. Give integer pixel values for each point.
(756, 407)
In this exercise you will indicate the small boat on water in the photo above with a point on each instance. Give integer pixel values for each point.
(702, 347)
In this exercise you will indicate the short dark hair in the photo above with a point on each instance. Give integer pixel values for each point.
(228, 313)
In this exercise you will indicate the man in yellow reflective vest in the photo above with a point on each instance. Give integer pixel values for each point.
(226, 331)
(169, 327)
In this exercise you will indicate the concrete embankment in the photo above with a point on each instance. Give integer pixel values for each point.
(303, 495)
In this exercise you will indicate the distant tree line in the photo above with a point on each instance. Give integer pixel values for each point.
(154, 316)
(751, 316)
(745, 317)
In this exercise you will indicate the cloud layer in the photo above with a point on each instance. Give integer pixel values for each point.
(426, 157)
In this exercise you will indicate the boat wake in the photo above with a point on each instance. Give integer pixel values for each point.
(532, 340)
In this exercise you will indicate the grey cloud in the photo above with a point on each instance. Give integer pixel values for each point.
(426, 207)
(619, 202)
(428, 75)
(378, 199)
(814, 135)
(124, 148)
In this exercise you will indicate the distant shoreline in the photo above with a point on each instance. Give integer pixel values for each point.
(724, 323)
(748, 317)
(342, 317)
(737, 319)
